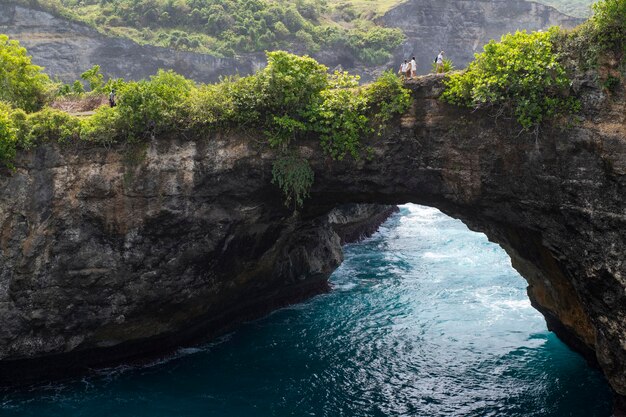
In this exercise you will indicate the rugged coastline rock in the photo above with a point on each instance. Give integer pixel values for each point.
(104, 259)
(138, 259)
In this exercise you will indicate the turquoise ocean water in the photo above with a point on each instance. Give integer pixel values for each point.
(426, 318)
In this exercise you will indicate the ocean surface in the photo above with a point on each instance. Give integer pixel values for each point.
(426, 318)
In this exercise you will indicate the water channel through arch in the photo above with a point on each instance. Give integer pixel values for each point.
(426, 318)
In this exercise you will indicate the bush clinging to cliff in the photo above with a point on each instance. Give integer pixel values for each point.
(48, 125)
(387, 98)
(520, 76)
(290, 85)
(294, 176)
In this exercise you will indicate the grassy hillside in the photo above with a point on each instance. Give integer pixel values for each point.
(230, 27)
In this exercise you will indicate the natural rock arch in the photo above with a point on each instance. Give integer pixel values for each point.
(105, 259)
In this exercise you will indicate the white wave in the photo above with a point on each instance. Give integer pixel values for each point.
(434, 255)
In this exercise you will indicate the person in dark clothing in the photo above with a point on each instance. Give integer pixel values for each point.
(112, 98)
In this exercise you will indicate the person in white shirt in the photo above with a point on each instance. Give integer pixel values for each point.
(403, 68)
(413, 68)
(440, 63)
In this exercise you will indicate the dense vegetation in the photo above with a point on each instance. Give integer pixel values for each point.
(229, 27)
(604, 34)
(520, 75)
(527, 75)
(292, 98)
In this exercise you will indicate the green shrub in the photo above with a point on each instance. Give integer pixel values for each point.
(94, 78)
(609, 22)
(155, 105)
(24, 85)
(78, 88)
(248, 98)
(104, 127)
(373, 44)
(603, 35)
(341, 121)
(340, 116)
(521, 76)
(19, 129)
(290, 84)
(447, 65)
(49, 125)
(211, 105)
(387, 97)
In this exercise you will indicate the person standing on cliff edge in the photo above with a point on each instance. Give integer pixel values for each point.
(403, 69)
(413, 68)
(440, 63)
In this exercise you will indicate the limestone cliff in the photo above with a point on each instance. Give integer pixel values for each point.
(109, 254)
(66, 48)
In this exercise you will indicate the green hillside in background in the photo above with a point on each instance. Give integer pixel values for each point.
(229, 27)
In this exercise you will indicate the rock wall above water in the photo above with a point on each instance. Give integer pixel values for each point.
(105, 260)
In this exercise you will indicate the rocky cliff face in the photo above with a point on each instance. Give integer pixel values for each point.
(109, 254)
(104, 258)
(462, 27)
(66, 49)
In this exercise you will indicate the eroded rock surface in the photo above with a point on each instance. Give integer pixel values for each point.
(104, 258)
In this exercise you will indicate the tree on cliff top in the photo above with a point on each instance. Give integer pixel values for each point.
(22, 84)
